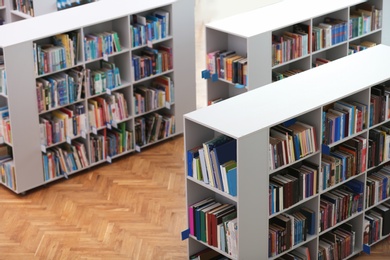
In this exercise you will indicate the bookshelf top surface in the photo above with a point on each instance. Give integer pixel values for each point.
(277, 16)
(288, 98)
(73, 18)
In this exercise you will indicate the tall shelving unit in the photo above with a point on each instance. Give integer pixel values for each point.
(18, 50)
(249, 34)
(303, 97)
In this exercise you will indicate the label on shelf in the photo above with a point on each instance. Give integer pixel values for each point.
(185, 234)
(108, 91)
(137, 148)
(108, 126)
(105, 56)
(94, 130)
(149, 44)
(43, 148)
(239, 86)
(109, 160)
(325, 149)
(214, 77)
(366, 249)
(69, 140)
(168, 105)
(205, 74)
(83, 134)
(114, 124)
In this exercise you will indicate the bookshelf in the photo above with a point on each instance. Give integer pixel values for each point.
(234, 33)
(304, 97)
(13, 11)
(28, 148)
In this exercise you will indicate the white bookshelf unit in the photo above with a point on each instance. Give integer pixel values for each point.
(248, 118)
(250, 35)
(10, 11)
(103, 16)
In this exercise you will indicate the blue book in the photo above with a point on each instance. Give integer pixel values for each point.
(46, 166)
(344, 164)
(191, 154)
(311, 220)
(232, 181)
(163, 22)
(223, 153)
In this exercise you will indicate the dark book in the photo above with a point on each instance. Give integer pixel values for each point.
(385, 213)
(310, 218)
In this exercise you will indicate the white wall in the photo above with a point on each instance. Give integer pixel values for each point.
(207, 11)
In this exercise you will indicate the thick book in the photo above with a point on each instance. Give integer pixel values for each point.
(385, 212)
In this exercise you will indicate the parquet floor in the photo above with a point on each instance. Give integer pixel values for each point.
(133, 208)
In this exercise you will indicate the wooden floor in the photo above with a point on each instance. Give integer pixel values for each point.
(133, 209)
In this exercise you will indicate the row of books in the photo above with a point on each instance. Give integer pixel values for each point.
(208, 253)
(214, 163)
(284, 74)
(25, 6)
(290, 142)
(5, 124)
(339, 204)
(215, 224)
(344, 161)
(153, 127)
(155, 96)
(107, 109)
(289, 46)
(338, 243)
(299, 253)
(228, 65)
(376, 223)
(148, 98)
(60, 53)
(7, 167)
(106, 78)
(333, 30)
(152, 61)
(364, 19)
(148, 28)
(58, 125)
(377, 186)
(290, 229)
(63, 160)
(99, 45)
(379, 104)
(342, 119)
(60, 89)
(65, 4)
(378, 149)
(319, 61)
(292, 185)
(119, 140)
(98, 146)
(356, 47)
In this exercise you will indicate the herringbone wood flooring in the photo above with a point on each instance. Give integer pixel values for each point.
(133, 208)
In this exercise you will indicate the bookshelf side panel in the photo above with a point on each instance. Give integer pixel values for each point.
(252, 188)
(23, 109)
(183, 31)
(259, 60)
